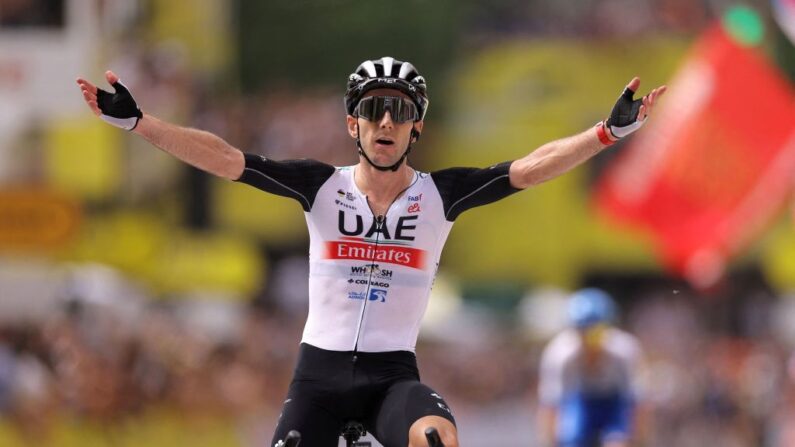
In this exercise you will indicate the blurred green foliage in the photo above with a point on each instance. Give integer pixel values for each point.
(319, 42)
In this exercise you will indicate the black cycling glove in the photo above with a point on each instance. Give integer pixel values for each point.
(119, 108)
(623, 119)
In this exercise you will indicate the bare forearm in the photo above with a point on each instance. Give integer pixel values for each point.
(198, 148)
(547, 425)
(554, 158)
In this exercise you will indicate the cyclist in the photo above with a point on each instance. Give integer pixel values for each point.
(376, 235)
(589, 379)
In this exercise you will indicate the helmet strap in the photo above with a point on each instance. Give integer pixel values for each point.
(394, 167)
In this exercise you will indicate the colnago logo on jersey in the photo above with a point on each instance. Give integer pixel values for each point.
(378, 244)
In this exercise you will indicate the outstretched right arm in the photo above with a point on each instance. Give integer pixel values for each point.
(198, 148)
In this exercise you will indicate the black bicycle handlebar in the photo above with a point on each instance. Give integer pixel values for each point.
(352, 432)
(433, 437)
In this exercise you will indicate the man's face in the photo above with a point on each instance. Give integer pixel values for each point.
(384, 140)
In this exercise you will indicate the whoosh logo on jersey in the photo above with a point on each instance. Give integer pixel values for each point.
(371, 269)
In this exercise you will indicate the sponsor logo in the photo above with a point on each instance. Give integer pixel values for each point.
(378, 295)
(414, 208)
(402, 230)
(361, 86)
(347, 195)
(363, 270)
(415, 198)
(353, 248)
(371, 270)
(436, 396)
(372, 283)
(343, 204)
(356, 295)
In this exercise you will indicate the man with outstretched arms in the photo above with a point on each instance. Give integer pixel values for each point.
(376, 234)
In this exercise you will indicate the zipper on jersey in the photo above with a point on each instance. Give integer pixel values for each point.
(379, 220)
(379, 223)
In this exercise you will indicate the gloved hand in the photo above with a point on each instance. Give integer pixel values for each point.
(118, 108)
(629, 114)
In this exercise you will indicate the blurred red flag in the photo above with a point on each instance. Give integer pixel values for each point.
(715, 163)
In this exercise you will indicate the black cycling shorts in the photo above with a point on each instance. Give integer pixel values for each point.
(382, 390)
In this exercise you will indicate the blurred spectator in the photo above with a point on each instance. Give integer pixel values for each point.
(590, 375)
(7, 372)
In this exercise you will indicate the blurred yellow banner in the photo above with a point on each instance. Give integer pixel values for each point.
(171, 260)
(267, 217)
(34, 219)
(84, 157)
(197, 29)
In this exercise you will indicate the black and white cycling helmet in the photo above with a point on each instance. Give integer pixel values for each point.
(386, 72)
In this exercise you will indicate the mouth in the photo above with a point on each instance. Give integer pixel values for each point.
(384, 141)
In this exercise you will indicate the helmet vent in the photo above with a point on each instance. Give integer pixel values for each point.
(405, 69)
(369, 67)
(387, 62)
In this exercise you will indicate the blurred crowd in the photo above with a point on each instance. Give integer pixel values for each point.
(710, 381)
(705, 382)
(83, 363)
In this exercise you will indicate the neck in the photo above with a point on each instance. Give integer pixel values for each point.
(382, 185)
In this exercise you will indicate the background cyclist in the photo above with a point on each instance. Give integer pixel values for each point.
(590, 378)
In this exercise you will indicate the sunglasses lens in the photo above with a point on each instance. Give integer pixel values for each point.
(373, 108)
(366, 109)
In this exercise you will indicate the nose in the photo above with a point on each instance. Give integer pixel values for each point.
(386, 121)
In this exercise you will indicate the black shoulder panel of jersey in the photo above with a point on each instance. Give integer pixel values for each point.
(299, 179)
(465, 188)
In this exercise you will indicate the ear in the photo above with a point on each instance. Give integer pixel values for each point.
(353, 129)
(416, 131)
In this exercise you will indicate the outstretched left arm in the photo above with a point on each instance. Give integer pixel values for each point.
(557, 157)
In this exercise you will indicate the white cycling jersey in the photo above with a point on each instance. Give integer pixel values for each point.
(564, 372)
(370, 276)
